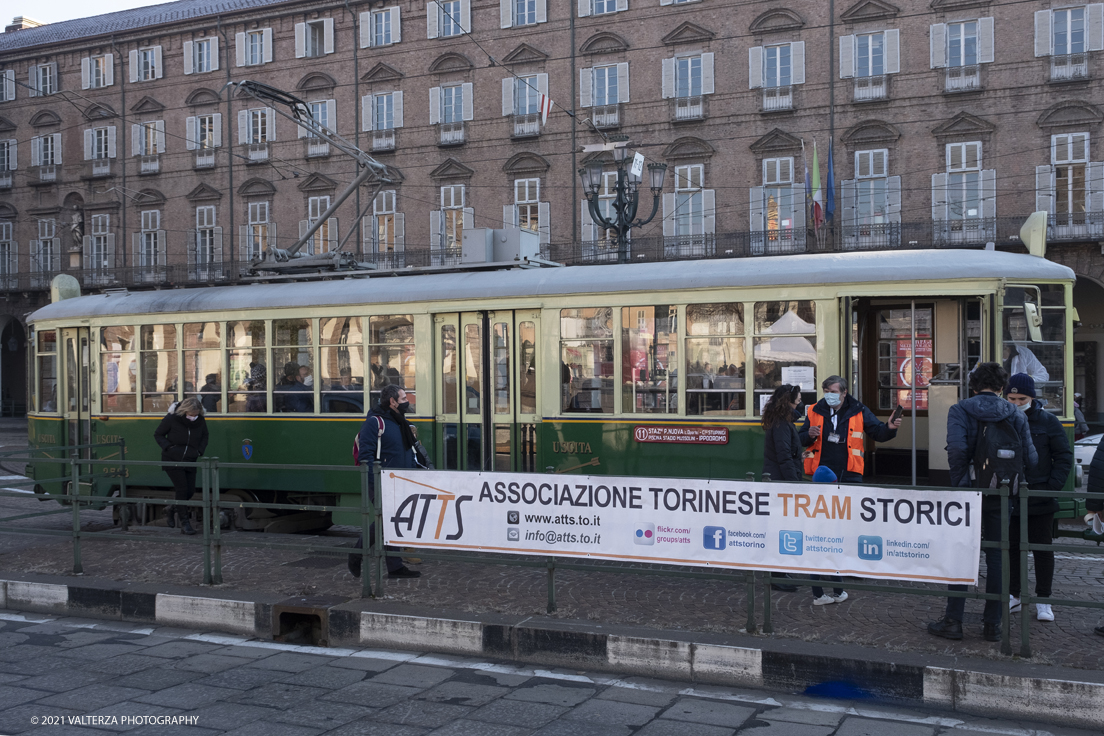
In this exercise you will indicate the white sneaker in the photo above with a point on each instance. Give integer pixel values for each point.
(840, 598)
(1043, 612)
(824, 600)
(1013, 604)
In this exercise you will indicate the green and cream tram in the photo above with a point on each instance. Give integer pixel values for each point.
(641, 369)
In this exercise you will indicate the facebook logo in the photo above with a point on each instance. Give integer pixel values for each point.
(870, 548)
(713, 537)
(790, 543)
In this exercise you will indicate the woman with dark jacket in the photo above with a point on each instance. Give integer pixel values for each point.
(782, 450)
(182, 435)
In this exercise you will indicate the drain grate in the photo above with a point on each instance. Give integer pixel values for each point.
(316, 563)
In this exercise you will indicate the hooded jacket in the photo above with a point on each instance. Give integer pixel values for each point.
(963, 421)
(181, 440)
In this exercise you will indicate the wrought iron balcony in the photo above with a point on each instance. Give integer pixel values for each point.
(257, 152)
(450, 134)
(962, 78)
(44, 174)
(1075, 226)
(1069, 67)
(98, 167)
(5, 179)
(317, 148)
(868, 89)
(205, 158)
(689, 108)
(606, 116)
(383, 140)
(526, 126)
(149, 164)
(777, 98)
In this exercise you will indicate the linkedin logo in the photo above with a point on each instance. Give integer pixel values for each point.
(870, 548)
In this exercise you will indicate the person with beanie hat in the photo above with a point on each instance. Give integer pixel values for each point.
(1050, 474)
(824, 474)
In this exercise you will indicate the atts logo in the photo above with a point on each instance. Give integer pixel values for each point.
(790, 543)
(713, 537)
(416, 507)
(645, 534)
(870, 548)
(247, 449)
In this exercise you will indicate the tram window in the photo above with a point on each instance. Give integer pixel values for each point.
(527, 392)
(160, 371)
(293, 352)
(392, 355)
(342, 365)
(248, 374)
(501, 358)
(586, 360)
(649, 359)
(202, 364)
(118, 371)
(46, 395)
(894, 367)
(473, 370)
(715, 360)
(448, 371)
(784, 354)
(1043, 360)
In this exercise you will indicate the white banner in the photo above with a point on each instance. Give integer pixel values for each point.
(865, 531)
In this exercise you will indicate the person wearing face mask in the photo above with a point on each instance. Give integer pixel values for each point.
(1049, 474)
(182, 435)
(395, 446)
(835, 428)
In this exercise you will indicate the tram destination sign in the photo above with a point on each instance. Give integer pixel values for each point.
(885, 533)
(684, 435)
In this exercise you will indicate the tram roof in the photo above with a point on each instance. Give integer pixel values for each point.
(810, 269)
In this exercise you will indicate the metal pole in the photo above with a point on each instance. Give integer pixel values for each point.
(749, 581)
(216, 496)
(378, 554)
(365, 531)
(205, 470)
(74, 491)
(912, 388)
(551, 584)
(1006, 644)
(1025, 620)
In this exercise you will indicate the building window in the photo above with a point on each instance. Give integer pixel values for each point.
(100, 149)
(7, 161)
(148, 62)
(383, 208)
(778, 195)
(254, 48)
(649, 350)
(525, 12)
(149, 239)
(99, 71)
(689, 212)
(7, 85)
(870, 55)
(381, 27)
(257, 231)
(8, 263)
(526, 95)
(46, 255)
(160, 369)
(452, 104)
(45, 150)
(324, 237)
(1068, 27)
(204, 56)
(205, 236)
(100, 256)
(1070, 157)
(688, 76)
(383, 111)
(962, 44)
(452, 216)
(258, 126)
(586, 360)
(964, 181)
(604, 6)
(450, 18)
(316, 38)
(44, 79)
(605, 85)
(527, 202)
(870, 187)
(715, 359)
(777, 66)
(205, 131)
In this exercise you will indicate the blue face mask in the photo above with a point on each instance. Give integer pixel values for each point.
(833, 400)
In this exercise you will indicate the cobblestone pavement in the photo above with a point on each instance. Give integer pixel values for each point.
(871, 618)
(69, 676)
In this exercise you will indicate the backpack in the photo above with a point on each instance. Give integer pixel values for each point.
(998, 456)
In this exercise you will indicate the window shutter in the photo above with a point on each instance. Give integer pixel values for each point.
(584, 8)
(85, 72)
(216, 134)
(1094, 187)
(623, 81)
(133, 66)
(756, 209)
(432, 13)
(266, 44)
(159, 68)
(469, 218)
(1043, 38)
(109, 69)
(434, 105)
(328, 35)
(193, 248)
(366, 118)
(893, 51)
(243, 243)
(590, 230)
(797, 54)
(435, 229)
(397, 109)
(331, 115)
(304, 225)
(797, 194)
(57, 148)
(665, 2)
(9, 84)
(189, 59)
(109, 256)
(586, 87)
(216, 247)
(709, 211)
(159, 127)
(755, 67)
(544, 227)
(191, 135)
(365, 20)
(1094, 27)
(270, 124)
(396, 25)
(86, 245)
(32, 82)
(847, 202)
(1044, 188)
(301, 132)
(542, 11)
(300, 40)
(707, 73)
(468, 102)
(400, 232)
(542, 84)
(509, 215)
(369, 234)
(622, 5)
(668, 78)
(88, 145)
(989, 193)
(937, 38)
(214, 53)
(110, 143)
(36, 151)
(243, 127)
(893, 199)
(465, 16)
(508, 96)
(847, 56)
(668, 214)
(136, 140)
(939, 197)
(505, 13)
(239, 49)
(334, 230)
(985, 40)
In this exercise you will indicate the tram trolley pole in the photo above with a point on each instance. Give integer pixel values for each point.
(205, 472)
(74, 491)
(216, 500)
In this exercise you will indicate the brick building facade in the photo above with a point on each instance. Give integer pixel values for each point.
(126, 159)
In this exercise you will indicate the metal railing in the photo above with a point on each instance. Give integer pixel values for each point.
(46, 173)
(316, 147)
(257, 152)
(777, 98)
(205, 158)
(383, 140)
(606, 116)
(689, 108)
(1069, 67)
(100, 167)
(5, 179)
(526, 126)
(450, 134)
(866, 89)
(149, 164)
(962, 78)
(1075, 226)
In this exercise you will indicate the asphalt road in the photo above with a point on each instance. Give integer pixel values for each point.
(65, 675)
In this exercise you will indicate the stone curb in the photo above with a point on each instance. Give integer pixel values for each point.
(690, 657)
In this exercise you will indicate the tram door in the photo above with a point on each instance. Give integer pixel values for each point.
(487, 402)
(77, 388)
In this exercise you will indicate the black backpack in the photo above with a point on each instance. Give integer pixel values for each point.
(998, 456)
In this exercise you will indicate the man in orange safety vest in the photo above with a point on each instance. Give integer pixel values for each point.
(835, 428)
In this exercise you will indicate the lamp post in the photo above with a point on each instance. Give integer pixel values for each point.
(622, 216)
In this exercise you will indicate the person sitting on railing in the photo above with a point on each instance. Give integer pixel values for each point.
(1051, 474)
(182, 436)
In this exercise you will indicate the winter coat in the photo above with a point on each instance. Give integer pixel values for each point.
(181, 441)
(1055, 459)
(963, 420)
(1095, 501)
(394, 454)
(782, 453)
(834, 454)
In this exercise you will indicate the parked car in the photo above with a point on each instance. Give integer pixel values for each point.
(1083, 451)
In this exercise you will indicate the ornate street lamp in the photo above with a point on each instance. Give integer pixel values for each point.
(622, 215)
